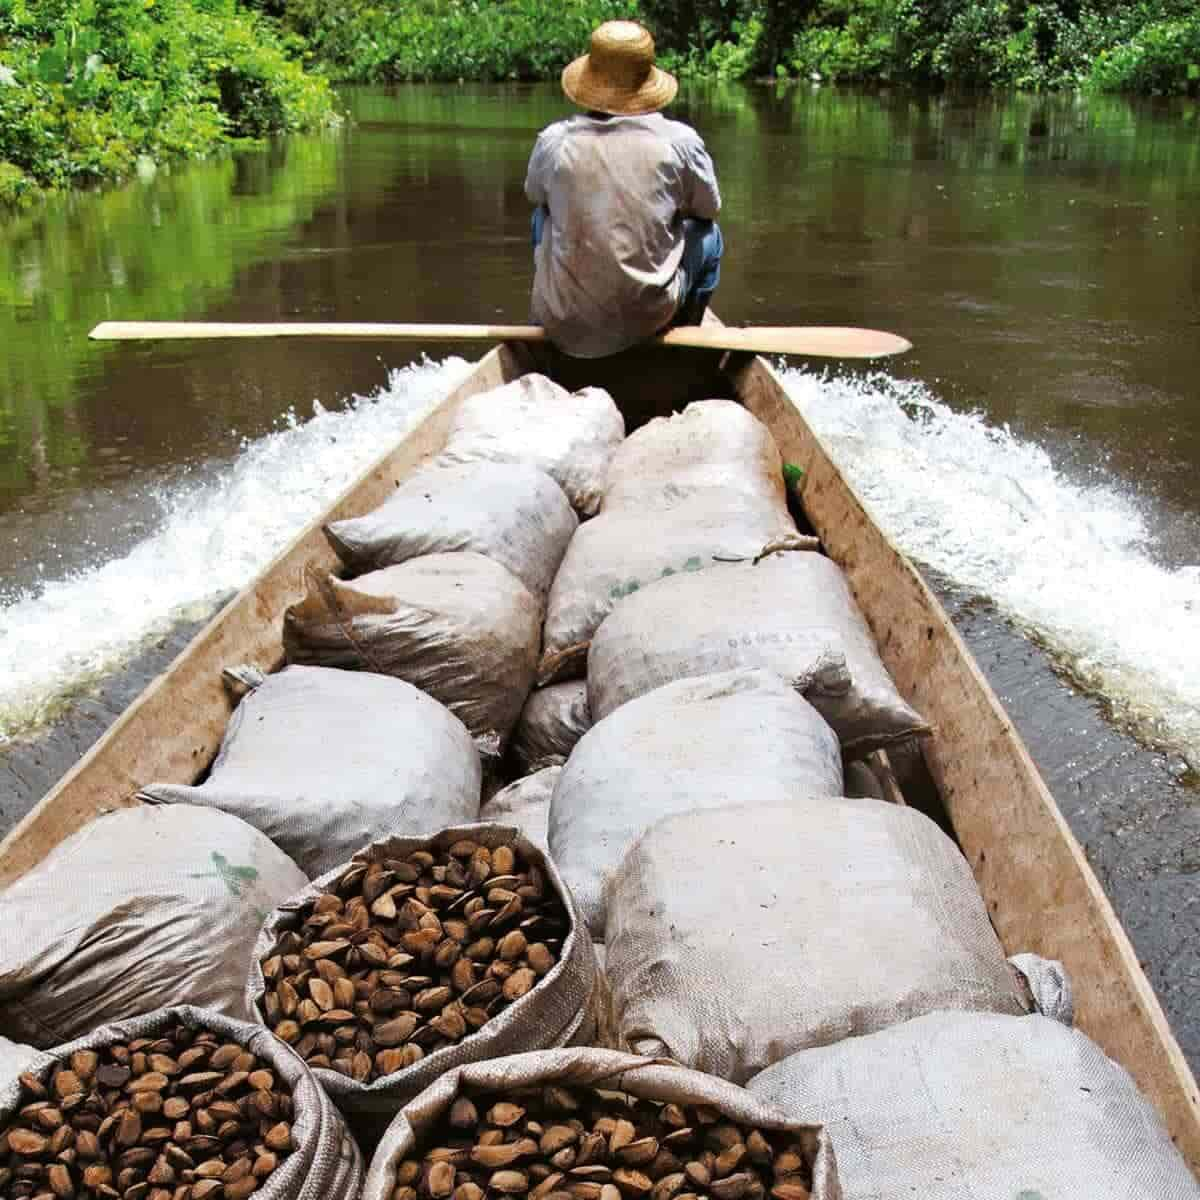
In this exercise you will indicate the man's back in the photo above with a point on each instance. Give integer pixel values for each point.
(617, 189)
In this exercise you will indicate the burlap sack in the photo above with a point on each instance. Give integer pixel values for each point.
(458, 626)
(625, 549)
(740, 935)
(792, 613)
(324, 761)
(325, 1163)
(558, 1011)
(710, 444)
(533, 420)
(525, 805)
(15, 1057)
(140, 908)
(606, 1069)
(975, 1106)
(553, 720)
(737, 737)
(512, 513)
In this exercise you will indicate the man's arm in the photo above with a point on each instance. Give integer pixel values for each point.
(702, 197)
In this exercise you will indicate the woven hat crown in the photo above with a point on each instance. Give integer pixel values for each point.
(622, 52)
(618, 75)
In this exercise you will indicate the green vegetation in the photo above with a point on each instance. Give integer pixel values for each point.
(378, 40)
(1108, 45)
(1150, 46)
(92, 90)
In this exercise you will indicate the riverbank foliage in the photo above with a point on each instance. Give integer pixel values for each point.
(378, 41)
(93, 90)
(1149, 46)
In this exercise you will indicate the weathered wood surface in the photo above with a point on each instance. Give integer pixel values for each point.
(821, 341)
(1040, 890)
(172, 731)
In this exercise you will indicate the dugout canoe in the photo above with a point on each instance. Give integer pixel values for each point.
(1040, 891)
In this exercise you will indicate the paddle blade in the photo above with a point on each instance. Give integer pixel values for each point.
(815, 341)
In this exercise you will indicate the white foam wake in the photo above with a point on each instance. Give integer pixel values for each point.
(1065, 560)
(214, 537)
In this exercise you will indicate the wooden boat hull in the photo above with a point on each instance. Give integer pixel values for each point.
(1040, 891)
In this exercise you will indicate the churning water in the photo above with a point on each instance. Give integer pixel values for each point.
(213, 536)
(1069, 561)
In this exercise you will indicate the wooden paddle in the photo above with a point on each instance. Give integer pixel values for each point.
(817, 341)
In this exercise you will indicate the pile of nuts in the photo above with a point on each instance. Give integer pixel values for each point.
(183, 1116)
(404, 956)
(559, 1143)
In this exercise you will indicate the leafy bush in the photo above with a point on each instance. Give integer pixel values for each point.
(1162, 58)
(90, 87)
(450, 39)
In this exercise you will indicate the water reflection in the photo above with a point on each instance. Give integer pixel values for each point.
(1042, 252)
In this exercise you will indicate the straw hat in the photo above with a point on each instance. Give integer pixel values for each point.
(618, 75)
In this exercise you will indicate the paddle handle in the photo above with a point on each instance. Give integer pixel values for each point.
(818, 341)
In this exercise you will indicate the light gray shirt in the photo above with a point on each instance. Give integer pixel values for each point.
(607, 271)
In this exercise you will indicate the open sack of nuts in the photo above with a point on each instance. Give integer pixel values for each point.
(422, 954)
(182, 1104)
(588, 1124)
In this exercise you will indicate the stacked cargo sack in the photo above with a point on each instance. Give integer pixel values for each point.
(980, 1106)
(323, 761)
(685, 493)
(524, 1111)
(512, 513)
(553, 720)
(740, 935)
(739, 736)
(459, 626)
(570, 436)
(790, 612)
(160, 1129)
(141, 908)
(525, 804)
(399, 978)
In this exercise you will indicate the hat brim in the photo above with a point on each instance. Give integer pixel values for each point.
(585, 87)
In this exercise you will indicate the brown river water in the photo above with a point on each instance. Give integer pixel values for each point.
(1037, 453)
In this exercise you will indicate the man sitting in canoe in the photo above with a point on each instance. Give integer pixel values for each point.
(625, 240)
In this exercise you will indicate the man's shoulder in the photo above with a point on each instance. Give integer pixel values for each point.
(555, 132)
(680, 133)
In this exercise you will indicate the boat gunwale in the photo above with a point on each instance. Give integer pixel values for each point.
(173, 729)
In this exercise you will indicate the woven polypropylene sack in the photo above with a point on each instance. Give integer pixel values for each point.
(525, 804)
(513, 513)
(625, 549)
(557, 1011)
(458, 626)
(605, 1069)
(553, 720)
(738, 936)
(737, 737)
(710, 444)
(15, 1057)
(325, 1163)
(324, 761)
(792, 613)
(140, 908)
(975, 1106)
(570, 436)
